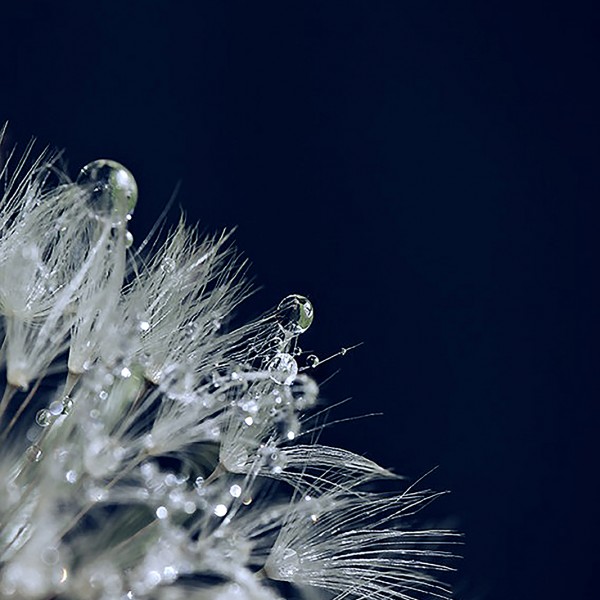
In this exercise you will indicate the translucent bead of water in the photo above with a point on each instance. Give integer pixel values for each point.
(283, 368)
(43, 417)
(312, 360)
(295, 314)
(128, 239)
(67, 405)
(34, 453)
(112, 189)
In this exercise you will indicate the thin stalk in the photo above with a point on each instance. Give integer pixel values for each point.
(23, 406)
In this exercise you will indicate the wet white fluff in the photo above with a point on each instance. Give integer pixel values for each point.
(150, 450)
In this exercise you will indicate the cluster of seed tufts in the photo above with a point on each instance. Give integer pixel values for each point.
(150, 450)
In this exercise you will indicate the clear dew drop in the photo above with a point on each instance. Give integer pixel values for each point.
(67, 405)
(295, 314)
(56, 407)
(283, 368)
(168, 265)
(43, 417)
(112, 187)
(34, 453)
(312, 360)
(128, 239)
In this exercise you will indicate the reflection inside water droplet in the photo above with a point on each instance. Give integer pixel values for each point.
(112, 189)
(43, 417)
(295, 314)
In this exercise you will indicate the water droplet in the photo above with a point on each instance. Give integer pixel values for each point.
(312, 360)
(56, 407)
(50, 555)
(67, 405)
(162, 512)
(168, 265)
(235, 490)
(220, 510)
(273, 459)
(34, 453)
(152, 579)
(283, 368)
(43, 417)
(295, 314)
(249, 405)
(128, 239)
(113, 190)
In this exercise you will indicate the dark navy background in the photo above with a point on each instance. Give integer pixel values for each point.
(427, 173)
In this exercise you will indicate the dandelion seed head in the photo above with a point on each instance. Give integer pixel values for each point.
(159, 442)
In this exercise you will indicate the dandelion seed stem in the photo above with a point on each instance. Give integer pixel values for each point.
(21, 408)
(71, 288)
(134, 463)
(144, 387)
(15, 538)
(219, 470)
(71, 382)
(133, 537)
(9, 392)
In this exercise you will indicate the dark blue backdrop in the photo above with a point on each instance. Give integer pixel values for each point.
(427, 173)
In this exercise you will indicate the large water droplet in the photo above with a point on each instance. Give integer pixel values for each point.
(112, 188)
(283, 368)
(295, 314)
